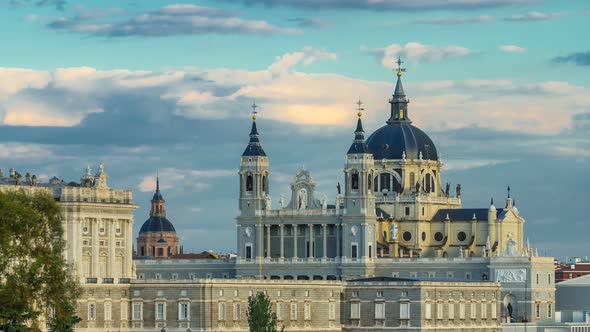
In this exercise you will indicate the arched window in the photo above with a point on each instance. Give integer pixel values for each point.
(355, 180)
(385, 181)
(432, 187)
(369, 186)
(376, 184)
(264, 183)
(142, 251)
(412, 179)
(427, 182)
(249, 183)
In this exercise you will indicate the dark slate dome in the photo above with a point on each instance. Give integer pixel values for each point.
(391, 140)
(157, 224)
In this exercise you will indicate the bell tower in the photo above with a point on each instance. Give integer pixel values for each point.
(254, 173)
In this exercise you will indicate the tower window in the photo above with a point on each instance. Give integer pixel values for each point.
(407, 211)
(264, 183)
(249, 183)
(355, 181)
(385, 181)
(369, 182)
(412, 179)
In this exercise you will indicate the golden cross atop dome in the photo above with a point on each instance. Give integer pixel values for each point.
(360, 108)
(399, 68)
(254, 112)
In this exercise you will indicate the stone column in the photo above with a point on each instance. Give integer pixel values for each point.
(260, 242)
(325, 231)
(282, 227)
(128, 258)
(338, 240)
(294, 241)
(95, 264)
(111, 248)
(268, 255)
(310, 227)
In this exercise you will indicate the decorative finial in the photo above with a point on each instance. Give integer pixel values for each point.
(359, 108)
(254, 112)
(399, 69)
(157, 182)
(508, 191)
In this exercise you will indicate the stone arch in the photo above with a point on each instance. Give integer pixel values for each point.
(386, 180)
(509, 301)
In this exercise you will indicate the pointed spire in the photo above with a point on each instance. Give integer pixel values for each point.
(157, 182)
(508, 199)
(399, 102)
(508, 191)
(157, 195)
(359, 145)
(254, 149)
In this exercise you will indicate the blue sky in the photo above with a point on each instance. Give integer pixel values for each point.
(501, 86)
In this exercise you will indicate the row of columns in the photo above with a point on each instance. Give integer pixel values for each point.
(311, 240)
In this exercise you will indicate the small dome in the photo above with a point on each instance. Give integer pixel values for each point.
(391, 140)
(157, 224)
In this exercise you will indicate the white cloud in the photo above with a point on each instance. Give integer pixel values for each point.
(511, 49)
(23, 151)
(532, 16)
(196, 180)
(418, 52)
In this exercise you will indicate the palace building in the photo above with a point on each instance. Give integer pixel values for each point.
(394, 249)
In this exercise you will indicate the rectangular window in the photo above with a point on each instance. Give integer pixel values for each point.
(538, 310)
(307, 311)
(332, 311)
(484, 310)
(160, 311)
(355, 310)
(549, 310)
(428, 311)
(183, 311)
(108, 311)
(407, 211)
(293, 311)
(439, 311)
(237, 311)
(404, 310)
(221, 311)
(380, 310)
(137, 311)
(451, 310)
(537, 278)
(248, 251)
(370, 251)
(493, 313)
(549, 278)
(462, 310)
(92, 311)
(281, 311)
(473, 311)
(354, 251)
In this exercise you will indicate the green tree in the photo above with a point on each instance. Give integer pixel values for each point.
(34, 278)
(261, 317)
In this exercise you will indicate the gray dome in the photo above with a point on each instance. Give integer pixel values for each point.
(157, 224)
(391, 140)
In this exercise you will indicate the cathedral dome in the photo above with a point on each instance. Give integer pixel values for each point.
(393, 139)
(157, 224)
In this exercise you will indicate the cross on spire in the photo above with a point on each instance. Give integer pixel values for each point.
(254, 112)
(399, 68)
(360, 107)
(508, 191)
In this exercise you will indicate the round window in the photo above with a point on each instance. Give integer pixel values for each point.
(461, 236)
(407, 236)
(438, 236)
(423, 236)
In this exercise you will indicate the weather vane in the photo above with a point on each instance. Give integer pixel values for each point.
(360, 107)
(399, 69)
(254, 112)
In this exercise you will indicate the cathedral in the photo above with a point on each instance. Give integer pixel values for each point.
(395, 249)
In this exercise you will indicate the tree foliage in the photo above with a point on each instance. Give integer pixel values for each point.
(34, 279)
(261, 317)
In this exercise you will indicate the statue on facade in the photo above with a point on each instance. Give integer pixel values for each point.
(325, 202)
(458, 190)
(268, 202)
(417, 187)
(448, 189)
(302, 199)
(339, 188)
(509, 307)
(282, 201)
